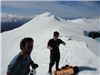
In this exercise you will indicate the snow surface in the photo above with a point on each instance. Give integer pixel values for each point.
(81, 51)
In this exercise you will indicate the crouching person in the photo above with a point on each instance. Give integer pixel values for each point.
(20, 65)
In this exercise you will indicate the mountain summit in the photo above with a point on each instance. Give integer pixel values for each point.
(48, 16)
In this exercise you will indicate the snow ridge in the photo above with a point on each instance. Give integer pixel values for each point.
(79, 50)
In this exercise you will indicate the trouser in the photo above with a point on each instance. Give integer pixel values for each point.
(54, 59)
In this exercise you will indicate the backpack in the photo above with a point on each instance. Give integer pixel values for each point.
(67, 70)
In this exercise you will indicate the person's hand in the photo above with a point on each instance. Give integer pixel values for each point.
(64, 43)
(35, 66)
(49, 47)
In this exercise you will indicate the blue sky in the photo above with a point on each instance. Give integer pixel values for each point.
(66, 9)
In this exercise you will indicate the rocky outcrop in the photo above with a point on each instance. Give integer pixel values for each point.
(94, 34)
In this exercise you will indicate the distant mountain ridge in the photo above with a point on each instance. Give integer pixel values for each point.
(13, 18)
(9, 22)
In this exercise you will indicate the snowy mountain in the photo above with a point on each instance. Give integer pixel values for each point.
(80, 51)
(9, 21)
(90, 22)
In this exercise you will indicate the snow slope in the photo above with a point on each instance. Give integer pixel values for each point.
(81, 50)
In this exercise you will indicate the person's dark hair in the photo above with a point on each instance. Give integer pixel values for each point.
(24, 41)
(56, 33)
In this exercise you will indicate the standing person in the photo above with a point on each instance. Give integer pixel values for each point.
(53, 45)
(20, 65)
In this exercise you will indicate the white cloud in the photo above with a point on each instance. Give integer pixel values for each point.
(9, 17)
(81, 9)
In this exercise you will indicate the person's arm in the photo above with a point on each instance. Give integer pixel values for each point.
(62, 42)
(48, 45)
(11, 67)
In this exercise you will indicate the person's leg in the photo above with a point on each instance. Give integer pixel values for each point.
(57, 62)
(51, 64)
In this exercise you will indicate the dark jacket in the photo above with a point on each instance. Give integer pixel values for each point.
(20, 66)
(55, 46)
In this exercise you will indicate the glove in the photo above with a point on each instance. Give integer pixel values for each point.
(34, 66)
